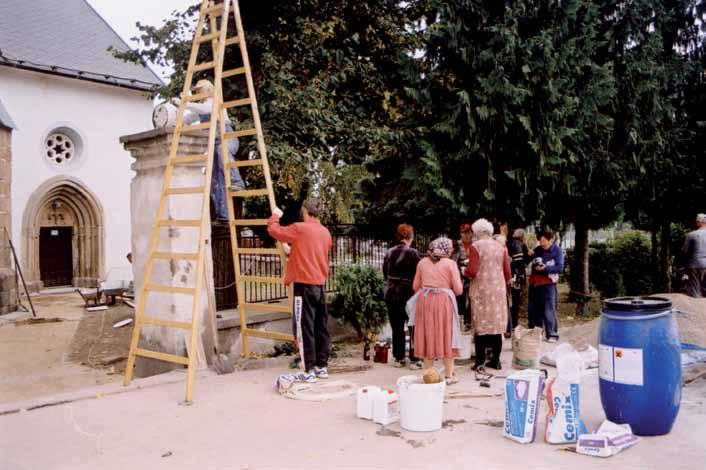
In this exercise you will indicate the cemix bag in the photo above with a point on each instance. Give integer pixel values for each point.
(523, 394)
(564, 422)
(526, 346)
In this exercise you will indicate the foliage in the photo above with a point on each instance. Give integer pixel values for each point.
(359, 299)
(606, 275)
(327, 76)
(622, 266)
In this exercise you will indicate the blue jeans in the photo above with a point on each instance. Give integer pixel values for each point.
(218, 184)
(542, 309)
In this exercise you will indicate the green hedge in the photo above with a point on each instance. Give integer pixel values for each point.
(621, 266)
(359, 299)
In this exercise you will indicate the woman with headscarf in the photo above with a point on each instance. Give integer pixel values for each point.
(437, 332)
(489, 267)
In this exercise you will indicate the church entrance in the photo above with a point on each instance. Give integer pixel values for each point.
(55, 256)
(62, 235)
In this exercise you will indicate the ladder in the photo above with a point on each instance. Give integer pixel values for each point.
(208, 30)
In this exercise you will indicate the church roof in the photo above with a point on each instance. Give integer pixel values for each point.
(5, 119)
(69, 38)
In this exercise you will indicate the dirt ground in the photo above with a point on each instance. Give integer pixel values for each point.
(41, 359)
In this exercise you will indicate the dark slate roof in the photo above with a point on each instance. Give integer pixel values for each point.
(66, 37)
(5, 119)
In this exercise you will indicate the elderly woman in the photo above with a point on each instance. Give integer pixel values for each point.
(489, 267)
(437, 333)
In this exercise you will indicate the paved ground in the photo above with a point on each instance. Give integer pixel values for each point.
(239, 421)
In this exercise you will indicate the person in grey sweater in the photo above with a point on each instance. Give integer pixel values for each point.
(694, 252)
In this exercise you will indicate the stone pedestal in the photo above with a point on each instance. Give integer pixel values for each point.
(8, 282)
(151, 150)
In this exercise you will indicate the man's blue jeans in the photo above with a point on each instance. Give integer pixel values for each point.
(218, 184)
(542, 309)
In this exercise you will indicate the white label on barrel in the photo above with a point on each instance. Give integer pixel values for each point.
(620, 365)
(628, 366)
(605, 362)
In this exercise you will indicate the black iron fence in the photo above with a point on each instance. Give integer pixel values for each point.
(351, 245)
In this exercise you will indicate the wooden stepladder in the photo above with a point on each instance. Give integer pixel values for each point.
(215, 19)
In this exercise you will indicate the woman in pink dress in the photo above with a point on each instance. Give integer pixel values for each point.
(437, 332)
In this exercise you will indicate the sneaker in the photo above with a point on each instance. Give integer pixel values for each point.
(493, 365)
(415, 365)
(308, 377)
(399, 364)
(552, 339)
(321, 372)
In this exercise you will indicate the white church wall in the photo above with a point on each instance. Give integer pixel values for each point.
(100, 114)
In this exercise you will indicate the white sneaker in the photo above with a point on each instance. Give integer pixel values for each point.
(321, 373)
(552, 340)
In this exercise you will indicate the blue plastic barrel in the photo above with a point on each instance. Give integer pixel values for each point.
(639, 364)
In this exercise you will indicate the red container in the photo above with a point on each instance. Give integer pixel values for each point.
(381, 353)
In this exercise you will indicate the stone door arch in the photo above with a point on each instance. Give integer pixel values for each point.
(65, 201)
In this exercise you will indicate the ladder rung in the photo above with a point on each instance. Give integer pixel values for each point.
(268, 334)
(241, 133)
(232, 40)
(233, 72)
(196, 127)
(167, 323)
(241, 163)
(204, 66)
(179, 223)
(217, 10)
(257, 251)
(175, 256)
(194, 190)
(247, 222)
(189, 159)
(249, 193)
(199, 96)
(269, 307)
(263, 279)
(170, 289)
(162, 356)
(208, 37)
(236, 103)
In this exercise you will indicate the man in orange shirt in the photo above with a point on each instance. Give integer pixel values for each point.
(308, 269)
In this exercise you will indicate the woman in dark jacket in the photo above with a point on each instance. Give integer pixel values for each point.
(399, 269)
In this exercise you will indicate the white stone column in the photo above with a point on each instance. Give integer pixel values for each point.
(151, 150)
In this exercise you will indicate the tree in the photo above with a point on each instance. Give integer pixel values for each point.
(325, 74)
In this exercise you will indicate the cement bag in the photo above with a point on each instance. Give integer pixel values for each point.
(526, 346)
(523, 393)
(564, 422)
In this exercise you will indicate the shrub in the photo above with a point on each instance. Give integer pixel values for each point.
(359, 300)
(605, 274)
(632, 251)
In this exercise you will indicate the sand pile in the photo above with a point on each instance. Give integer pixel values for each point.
(691, 318)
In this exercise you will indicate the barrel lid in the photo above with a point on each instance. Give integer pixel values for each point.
(638, 303)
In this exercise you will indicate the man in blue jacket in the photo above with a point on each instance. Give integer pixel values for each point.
(548, 263)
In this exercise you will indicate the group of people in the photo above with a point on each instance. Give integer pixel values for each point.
(480, 278)
(430, 292)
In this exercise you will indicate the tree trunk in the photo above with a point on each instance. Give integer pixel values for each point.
(580, 282)
(654, 253)
(665, 259)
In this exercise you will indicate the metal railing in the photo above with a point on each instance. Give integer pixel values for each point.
(351, 245)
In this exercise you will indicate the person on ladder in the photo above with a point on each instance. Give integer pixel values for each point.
(307, 269)
(200, 111)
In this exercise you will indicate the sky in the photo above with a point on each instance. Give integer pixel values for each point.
(123, 14)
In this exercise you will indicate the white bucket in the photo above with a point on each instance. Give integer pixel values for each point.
(421, 405)
(466, 350)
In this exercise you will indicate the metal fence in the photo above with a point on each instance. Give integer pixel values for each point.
(351, 245)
